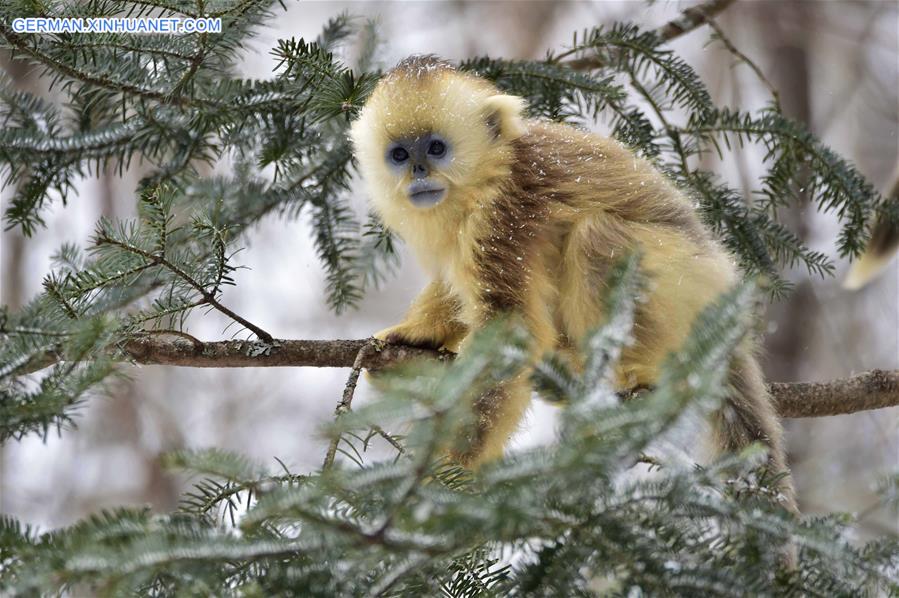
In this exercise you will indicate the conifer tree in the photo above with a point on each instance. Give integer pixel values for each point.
(568, 519)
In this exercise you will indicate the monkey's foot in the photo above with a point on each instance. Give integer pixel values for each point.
(404, 335)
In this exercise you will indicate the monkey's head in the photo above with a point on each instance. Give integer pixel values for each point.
(431, 136)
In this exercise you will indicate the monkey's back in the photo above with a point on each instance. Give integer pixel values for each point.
(600, 202)
(586, 172)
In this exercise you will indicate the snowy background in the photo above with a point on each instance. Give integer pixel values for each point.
(835, 64)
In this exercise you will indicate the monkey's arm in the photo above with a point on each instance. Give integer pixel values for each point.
(432, 321)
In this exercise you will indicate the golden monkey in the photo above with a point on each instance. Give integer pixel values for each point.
(510, 214)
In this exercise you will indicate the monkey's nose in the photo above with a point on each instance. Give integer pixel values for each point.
(419, 171)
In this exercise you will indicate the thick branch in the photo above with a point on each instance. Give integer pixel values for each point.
(690, 19)
(184, 351)
(871, 390)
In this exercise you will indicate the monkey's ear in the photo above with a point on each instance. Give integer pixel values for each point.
(504, 116)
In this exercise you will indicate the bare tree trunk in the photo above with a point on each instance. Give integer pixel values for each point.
(12, 250)
(12, 242)
(790, 320)
(122, 422)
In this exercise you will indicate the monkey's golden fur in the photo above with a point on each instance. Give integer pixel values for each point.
(535, 214)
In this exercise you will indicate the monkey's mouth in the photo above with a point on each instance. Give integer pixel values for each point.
(424, 194)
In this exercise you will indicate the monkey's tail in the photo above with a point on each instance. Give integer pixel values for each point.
(878, 255)
(880, 250)
(748, 416)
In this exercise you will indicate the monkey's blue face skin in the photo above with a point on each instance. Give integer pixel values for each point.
(420, 157)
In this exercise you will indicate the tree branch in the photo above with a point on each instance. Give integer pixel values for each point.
(690, 19)
(875, 389)
(208, 297)
(184, 351)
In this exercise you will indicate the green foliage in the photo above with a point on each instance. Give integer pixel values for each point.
(572, 518)
(148, 275)
(28, 406)
(568, 519)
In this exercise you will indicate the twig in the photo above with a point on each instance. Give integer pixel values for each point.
(207, 296)
(346, 401)
(690, 19)
(741, 57)
(390, 439)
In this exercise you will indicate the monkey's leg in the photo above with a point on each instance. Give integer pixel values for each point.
(432, 321)
(685, 277)
(499, 411)
(496, 417)
(748, 416)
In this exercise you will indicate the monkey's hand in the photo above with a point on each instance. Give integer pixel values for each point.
(431, 322)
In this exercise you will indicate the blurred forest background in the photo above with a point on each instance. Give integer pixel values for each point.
(834, 63)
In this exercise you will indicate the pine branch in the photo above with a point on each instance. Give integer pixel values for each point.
(875, 389)
(208, 296)
(19, 43)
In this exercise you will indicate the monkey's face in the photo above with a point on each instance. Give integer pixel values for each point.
(418, 142)
(432, 142)
(420, 161)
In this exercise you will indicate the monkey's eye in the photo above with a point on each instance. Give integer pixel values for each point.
(436, 149)
(399, 154)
